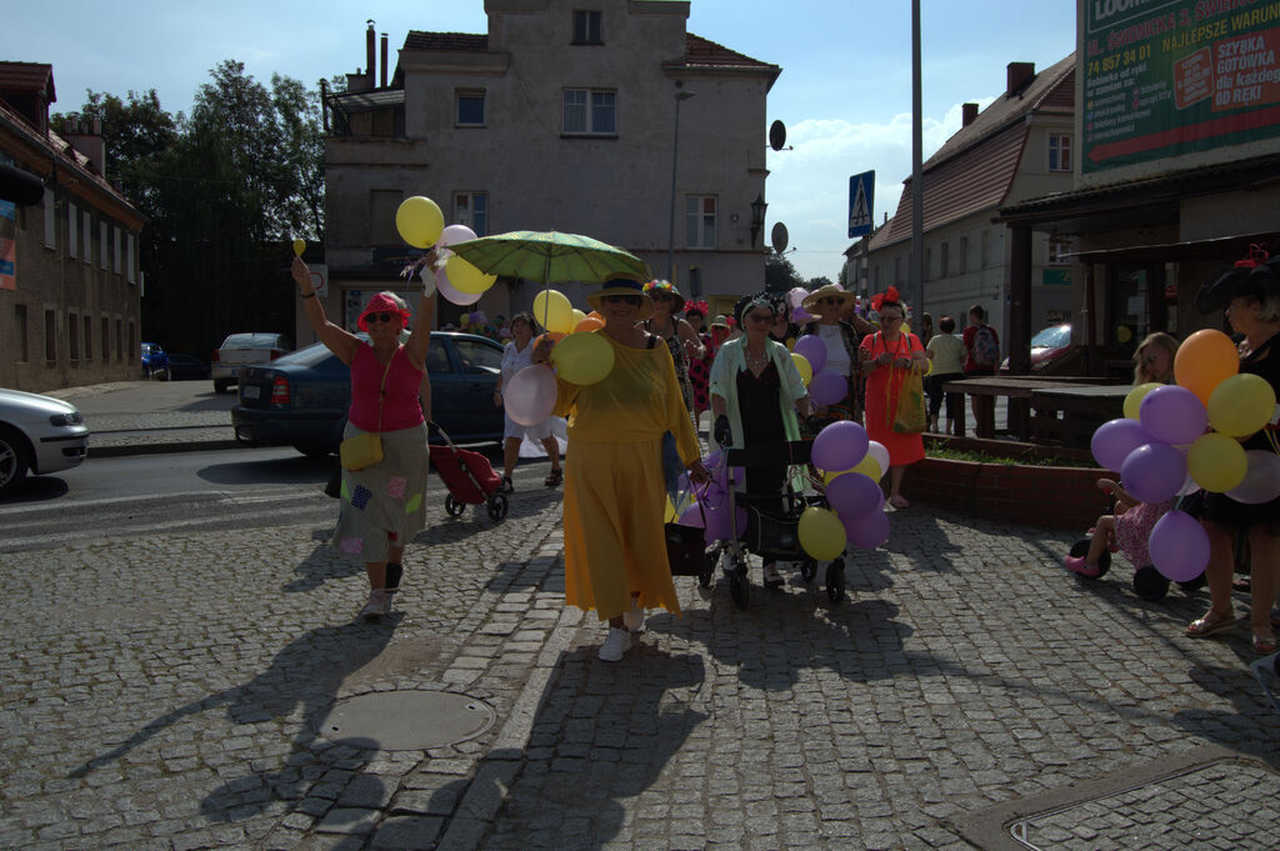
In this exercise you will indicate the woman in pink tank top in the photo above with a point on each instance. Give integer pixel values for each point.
(383, 505)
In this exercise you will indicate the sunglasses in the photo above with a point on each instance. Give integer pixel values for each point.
(661, 296)
(633, 300)
(760, 317)
(381, 317)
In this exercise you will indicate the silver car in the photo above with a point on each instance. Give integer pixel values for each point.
(38, 433)
(247, 349)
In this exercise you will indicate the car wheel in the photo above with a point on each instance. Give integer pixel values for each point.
(220, 386)
(13, 459)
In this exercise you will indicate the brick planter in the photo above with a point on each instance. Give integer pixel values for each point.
(1055, 497)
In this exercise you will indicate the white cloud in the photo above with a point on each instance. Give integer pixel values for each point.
(808, 187)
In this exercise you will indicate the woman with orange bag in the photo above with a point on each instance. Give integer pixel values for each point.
(888, 357)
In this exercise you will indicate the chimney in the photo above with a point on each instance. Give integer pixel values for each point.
(1019, 74)
(369, 57)
(382, 70)
(968, 112)
(86, 137)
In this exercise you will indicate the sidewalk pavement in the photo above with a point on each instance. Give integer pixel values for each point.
(179, 692)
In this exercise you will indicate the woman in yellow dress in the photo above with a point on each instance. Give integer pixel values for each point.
(615, 556)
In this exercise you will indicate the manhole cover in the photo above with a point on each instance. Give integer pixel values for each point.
(1224, 802)
(408, 720)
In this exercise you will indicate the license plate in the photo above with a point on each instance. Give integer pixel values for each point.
(250, 392)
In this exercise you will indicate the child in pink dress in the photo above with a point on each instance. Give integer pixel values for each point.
(1128, 530)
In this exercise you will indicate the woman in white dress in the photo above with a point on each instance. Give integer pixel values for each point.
(516, 356)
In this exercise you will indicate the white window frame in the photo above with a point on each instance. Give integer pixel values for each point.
(50, 219)
(458, 95)
(73, 231)
(464, 210)
(588, 107)
(696, 225)
(1059, 153)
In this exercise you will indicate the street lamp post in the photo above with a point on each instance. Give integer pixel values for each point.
(675, 152)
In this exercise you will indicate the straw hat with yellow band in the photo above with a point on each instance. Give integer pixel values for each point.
(813, 299)
(623, 286)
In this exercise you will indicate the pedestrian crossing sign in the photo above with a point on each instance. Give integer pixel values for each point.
(862, 189)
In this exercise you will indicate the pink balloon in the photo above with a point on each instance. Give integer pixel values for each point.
(454, 234)
(452, 295)
(530, 396)
(796, 296)
(1179, 546)
(868, 530)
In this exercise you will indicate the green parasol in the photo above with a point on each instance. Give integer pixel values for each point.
(550, 256)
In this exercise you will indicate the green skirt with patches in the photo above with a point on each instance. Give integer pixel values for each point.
(384, 504)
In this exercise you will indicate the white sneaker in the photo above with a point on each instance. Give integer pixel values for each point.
(379, 604)
(634, 618)
(618, 642)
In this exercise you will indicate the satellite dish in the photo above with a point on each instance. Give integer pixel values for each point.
(778, 237)
(777, 135)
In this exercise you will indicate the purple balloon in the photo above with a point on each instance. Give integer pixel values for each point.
(814, 351)
(717, 528)
(840, 446)
(1179, 546)
(1173, 414)
(868, 530)
(1154, 472)
(800, 316)
(1113, 441)
(692, 516)
(827, 388)
(853, 494)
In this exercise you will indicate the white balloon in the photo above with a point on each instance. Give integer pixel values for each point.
(1189, 486)
(454, 234)
(880, 452)
(1261, 480)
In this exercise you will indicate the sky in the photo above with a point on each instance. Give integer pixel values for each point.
(844, 93)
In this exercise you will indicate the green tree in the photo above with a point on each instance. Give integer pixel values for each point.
(820, 281)
(779, 275)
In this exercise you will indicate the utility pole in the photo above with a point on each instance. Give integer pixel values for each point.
(916, 275)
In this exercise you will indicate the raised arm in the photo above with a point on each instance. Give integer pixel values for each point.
(692, 345)
(420, 337)
(337, 339)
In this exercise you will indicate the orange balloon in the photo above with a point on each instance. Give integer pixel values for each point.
(1204, 360)
(553, 336)
(595, 314)
(588, 324)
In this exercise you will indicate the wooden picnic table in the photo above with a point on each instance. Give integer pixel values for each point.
(1080, 400)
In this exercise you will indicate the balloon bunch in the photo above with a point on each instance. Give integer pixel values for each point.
(826, 387)
(795, 301)
(711, 512)
(421, 224)
(852, 467)
(1180, 438)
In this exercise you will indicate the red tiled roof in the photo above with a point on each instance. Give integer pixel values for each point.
(419, 40)
(27, 77)
(702, 52)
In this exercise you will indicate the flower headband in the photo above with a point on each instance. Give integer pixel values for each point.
(699, 307)
(664, 286)
(890, 295)
(1257, 257)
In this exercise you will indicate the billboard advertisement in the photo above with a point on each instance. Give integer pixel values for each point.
(1168, 77)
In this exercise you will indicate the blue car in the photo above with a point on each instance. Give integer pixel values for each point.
(301, 399)
(155, 363)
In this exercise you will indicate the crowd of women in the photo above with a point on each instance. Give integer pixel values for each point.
(632, 433)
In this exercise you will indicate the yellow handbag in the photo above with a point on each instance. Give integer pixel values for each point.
(365, 449)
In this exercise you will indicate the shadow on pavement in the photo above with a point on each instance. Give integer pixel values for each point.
(37, 489)
(211, 402)
(284, 471)
(321, 566)
(1252, 728)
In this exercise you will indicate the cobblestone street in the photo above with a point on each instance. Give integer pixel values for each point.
(168, 692)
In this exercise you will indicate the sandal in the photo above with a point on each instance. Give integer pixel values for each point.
(554, 478)
(1211, 624)
(1264, 645)
(506, 486)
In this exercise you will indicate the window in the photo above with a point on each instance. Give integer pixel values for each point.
(586, 27)
(700, 221)
(1059, 152)
(102, 244)
(985, 258)
(478, 358)
(88, 338)
(73, 230)
(438, 357)
(472, 209)
(589, 111)
(73, 335)
(964, 254)
(115, 265)
(944, 260)
(50, 336)
(20, 331)
(106, 339)
(1059, 246)
(87, 232)
(50, 220)
(383, 204)
(128, 259)
(470, 107)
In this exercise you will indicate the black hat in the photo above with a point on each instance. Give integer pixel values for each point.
(1257, 275)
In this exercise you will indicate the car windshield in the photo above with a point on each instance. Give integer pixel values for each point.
(1052, 338)
(251, 341)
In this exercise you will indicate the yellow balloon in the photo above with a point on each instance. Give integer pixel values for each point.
(578, 316)
(821, 533)
(1133, 402)
(583, 359)
(669, 513)
(1241, 404)
(803, 367)
(299, 246)
(1216, 462)
(420, 222)
(551, 310)
(928, 366)
(906, 328)
(1123, 333)
(828, 475)
(870, 467)
(466, 278)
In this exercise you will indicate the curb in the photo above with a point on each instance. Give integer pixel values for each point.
(161, 448)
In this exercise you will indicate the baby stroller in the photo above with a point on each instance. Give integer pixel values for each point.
(772, 530)
(470, 478)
